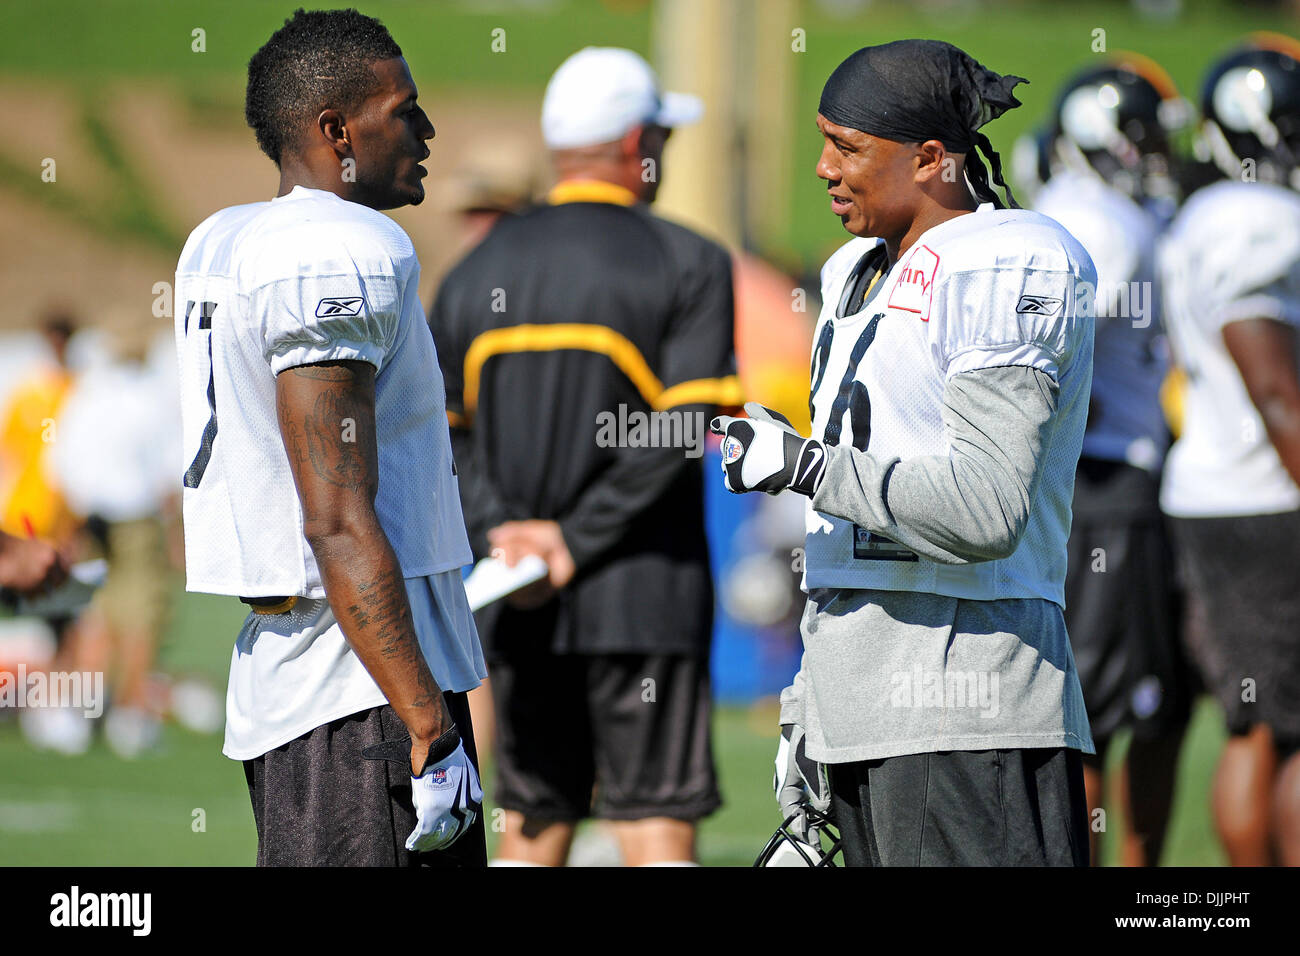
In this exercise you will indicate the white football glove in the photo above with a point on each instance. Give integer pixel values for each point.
(447, 794)
(800, 782)
(765, 453)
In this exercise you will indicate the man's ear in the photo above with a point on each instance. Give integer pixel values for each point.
(630, 145)
(933, 160)
(334, 131)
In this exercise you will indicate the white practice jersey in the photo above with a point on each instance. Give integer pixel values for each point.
(991, 289)
(1232, 253)
(1126, 422)
(307, 277)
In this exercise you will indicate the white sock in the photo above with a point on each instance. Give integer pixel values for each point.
(501, 861)
(672, 863)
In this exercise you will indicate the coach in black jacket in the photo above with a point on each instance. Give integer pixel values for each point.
(585, 344)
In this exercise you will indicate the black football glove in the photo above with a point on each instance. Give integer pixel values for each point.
(765, 453)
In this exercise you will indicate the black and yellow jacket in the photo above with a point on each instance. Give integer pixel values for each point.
(559, 317)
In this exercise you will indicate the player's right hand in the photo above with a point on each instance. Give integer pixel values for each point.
(800, 781)
(448, 799)
(765, 453)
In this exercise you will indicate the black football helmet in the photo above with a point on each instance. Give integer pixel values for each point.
(1031, 161)
(1251, 107)
(1117, 121)
(785, 848)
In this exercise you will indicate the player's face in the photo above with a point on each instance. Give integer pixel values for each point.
(871, 181)
(388, 135)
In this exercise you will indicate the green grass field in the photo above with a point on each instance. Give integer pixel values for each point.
(97, 810)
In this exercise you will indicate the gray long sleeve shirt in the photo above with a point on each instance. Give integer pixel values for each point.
(890, 672)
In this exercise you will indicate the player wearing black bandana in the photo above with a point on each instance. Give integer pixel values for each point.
(937, 712)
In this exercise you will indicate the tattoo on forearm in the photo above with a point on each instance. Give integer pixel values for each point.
(383, 616)
(324, 448)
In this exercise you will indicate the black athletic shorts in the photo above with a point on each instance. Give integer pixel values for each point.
(318, 802)
(616, 736)
(1246, 572)
(1122, 606)
(963, 808)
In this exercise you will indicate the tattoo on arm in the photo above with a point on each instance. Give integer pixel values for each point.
(327, 421)
(335, 459)
(335, 435)
(383, 617)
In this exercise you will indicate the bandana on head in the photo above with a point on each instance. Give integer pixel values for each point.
(909, 91)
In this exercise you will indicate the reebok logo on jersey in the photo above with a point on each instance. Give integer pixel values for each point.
(1038, 305)
(329, 308)
(731, 451)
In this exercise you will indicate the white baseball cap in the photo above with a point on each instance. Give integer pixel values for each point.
(600, 93)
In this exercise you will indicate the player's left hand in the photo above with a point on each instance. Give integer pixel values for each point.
(765, 453)
(799, 781)
(447, 794)
(448, 798)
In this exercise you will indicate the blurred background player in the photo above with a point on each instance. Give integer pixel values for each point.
(33, 506)
(586, 305)
(116, 458)
(1111, 185)
(494, 179)
(1231, 276)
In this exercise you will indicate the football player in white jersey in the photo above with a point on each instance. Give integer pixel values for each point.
(937, 712)
(318, 485)
(1231, 275)
(1112, 185)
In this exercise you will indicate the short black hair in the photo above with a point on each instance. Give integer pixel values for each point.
(318, 60)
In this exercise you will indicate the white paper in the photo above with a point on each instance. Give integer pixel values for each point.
(492, 579)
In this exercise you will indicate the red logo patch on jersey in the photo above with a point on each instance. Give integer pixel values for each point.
(915, 285)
